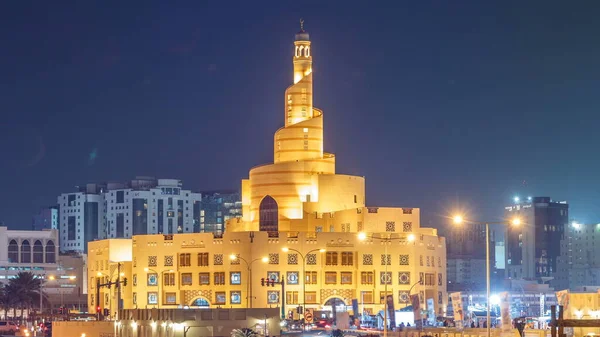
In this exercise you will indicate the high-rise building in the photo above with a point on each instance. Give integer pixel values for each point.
(532, 248)
(144, 205)
(578, 264)
(46, 218)
(301, 223)
(81, 217)
(216, 208)
(466, 257)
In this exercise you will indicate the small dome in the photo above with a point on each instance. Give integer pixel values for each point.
(302, 36)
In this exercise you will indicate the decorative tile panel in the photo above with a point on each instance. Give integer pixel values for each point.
(403, 297)
(368, 259)
(273, 275)
(292, 258)
(218, 259)
(292, 277)
(403, 277)
(151, 261)
(407, 226)
(311, 259)
(235, 261)
(169, 261)
(390, 226)
(404, 260)
(273, 297)
(386, 259)
(191, 295)
(385, 277)
(273, 258)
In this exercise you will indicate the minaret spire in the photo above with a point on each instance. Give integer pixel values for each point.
(301, 24)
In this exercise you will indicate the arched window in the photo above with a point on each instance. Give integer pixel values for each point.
(50, 252)
(38, 252)
(13, 252)
(25, 252)
(268, 216)
(307, 51)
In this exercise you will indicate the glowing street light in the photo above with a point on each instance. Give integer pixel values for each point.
(458, 219)
(235, 257)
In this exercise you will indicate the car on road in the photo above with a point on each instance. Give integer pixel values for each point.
(7, 326)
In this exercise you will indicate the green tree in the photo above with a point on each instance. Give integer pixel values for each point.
(24, 291)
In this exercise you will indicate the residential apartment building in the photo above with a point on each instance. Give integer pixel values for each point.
(578, 264)
(119, 210)
(216, 208)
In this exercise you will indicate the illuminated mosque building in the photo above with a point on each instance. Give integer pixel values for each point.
(301, 223)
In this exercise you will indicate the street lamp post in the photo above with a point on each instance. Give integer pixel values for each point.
(160, 276)
(362, 236)
(303, 256)
(110, 278)
(516, 221)
(234, 257)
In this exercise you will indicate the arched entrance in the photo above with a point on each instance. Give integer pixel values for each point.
(268, 216)
(337, 305)
(335, 302)
(200, 302)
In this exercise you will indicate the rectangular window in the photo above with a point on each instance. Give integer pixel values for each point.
(169, 279)
(203, 259)
(219, 278)
(204, 278)
(429, 279)
(186, 279)
(120, 197)
(120, 225)
(366, 277)
(291, 297)
(346, 277)
(170, 298)
(330, 277)
(366, 297)
(383, 295)
(311, 277)
(185, 260)
(153, 297)
(72, 228)
(331, 258)
(347, 259)
(310, 297)
(221, 297)
(235, 277)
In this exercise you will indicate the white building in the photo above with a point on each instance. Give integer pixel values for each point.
(37, 252)
(119, 210)
(578, 264)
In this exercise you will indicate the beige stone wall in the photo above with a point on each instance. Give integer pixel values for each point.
(409, 261)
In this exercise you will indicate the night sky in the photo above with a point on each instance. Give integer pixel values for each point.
(438, 104)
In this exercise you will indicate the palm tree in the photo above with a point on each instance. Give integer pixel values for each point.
(24, 290)
(244, 332)
(4, 303)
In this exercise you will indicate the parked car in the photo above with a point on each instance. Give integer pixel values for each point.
(9, 327)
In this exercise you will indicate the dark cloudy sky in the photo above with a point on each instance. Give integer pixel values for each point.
(437, 103)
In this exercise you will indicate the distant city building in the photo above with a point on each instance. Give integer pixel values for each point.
(37, 252)
(578, 264)
(533, 247)
(466, 257)
(218, 207)
(144, 205)
(47, 218)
